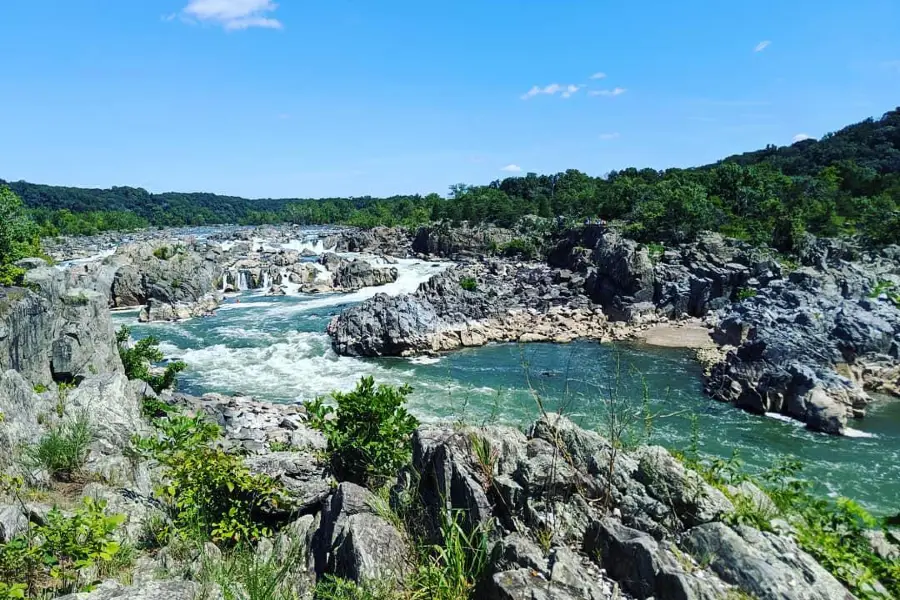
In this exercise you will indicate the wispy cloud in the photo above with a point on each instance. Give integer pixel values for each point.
(800, 137)
(598, 75)
(762, 45)
(618, 91)
(564, 91)
(891, 65)
(512, 168)
(233, 14)
(609, 136)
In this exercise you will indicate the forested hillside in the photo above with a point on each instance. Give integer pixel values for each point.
(846, 183)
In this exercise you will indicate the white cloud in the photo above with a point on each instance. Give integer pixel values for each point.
(564, 91)
(511, 168)
(570, 89)
(613, 92)
(233, 14)
(609, 136)
(598, 75)
(762, 45)
(800, 137)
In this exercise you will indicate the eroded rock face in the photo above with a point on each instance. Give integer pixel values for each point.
(168, 271)
(455, 242)
(56, 333)
(357, 274)
(354, 542)
(768, 566)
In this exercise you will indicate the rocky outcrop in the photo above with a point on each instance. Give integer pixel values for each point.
(357, 273)
(470, 305)
(447, 241)
(355, 543)
(55, 332)
(571, 516)
(390, 241)
(166, 271)
(798, 343)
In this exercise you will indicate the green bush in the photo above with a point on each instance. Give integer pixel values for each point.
(210, 493)
(468, 283)
(53, 556)
(64, 449)
(138, 359)
(745, 293)
(164, 252)
(369, 433)
(519, 247)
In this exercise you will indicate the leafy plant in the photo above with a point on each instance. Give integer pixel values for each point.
(164, 252)
(40, 388)
(138, 359)
(519, 247)
(468, 283)
(745, 293)
(209, 492)
(55, 554)
(64, 449)
(368, 434)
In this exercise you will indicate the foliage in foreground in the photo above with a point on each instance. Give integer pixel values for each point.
(209, 492)
(834, 532)
(369, 432)
(139, 358)
(55, 556)
(63, 450)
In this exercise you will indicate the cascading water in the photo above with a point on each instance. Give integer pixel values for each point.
(266, 280)
(244, 282)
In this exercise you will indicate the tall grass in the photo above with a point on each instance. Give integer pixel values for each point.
(64, 449)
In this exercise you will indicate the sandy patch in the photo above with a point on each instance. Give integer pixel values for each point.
(668, 335)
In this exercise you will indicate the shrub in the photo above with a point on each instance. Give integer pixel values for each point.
(368, 435)
(519, 247)
(164, 252)
(243, 574)
(335, 588)
(468, 283)
(138, 359)
(745, 293)
(209, 492)
(63, 451)
(54, 555)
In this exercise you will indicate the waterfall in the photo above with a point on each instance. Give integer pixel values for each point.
(244, 280)
(266, 283)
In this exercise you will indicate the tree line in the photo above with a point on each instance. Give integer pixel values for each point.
(846, 183)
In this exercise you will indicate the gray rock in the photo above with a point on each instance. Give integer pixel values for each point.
(357, 274)
(306, 482)
(154, 590)
(767, 566)
(666, 479)
(12, 522)
(354, 542)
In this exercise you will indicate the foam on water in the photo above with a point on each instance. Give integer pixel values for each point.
(300, 366)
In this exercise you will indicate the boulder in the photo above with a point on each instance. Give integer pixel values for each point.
(153, 590)
(354, 542)
(765, 565)
(357, 274)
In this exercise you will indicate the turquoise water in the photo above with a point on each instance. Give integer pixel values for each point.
(275, 348)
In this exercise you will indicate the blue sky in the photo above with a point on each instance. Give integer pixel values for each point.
(354, 97)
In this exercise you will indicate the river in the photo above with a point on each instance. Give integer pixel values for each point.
(275, 348)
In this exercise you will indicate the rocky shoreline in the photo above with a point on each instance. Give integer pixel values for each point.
(571, 514)
(806, 341)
